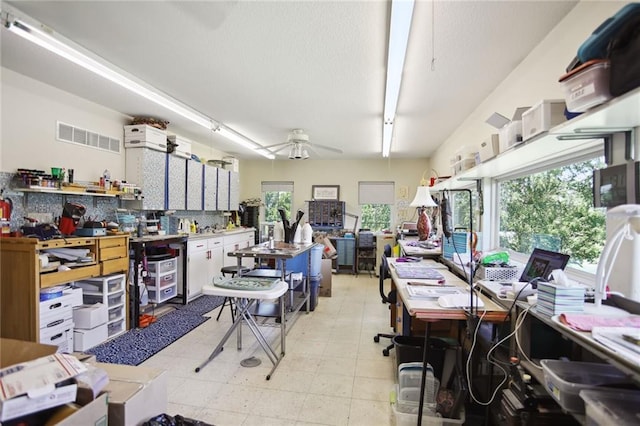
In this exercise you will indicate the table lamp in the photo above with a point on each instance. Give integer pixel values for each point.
(628, 229)
(422, 200)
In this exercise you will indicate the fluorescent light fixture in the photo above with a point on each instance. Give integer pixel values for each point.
(47, 41)
(399, 27)
(241, 140)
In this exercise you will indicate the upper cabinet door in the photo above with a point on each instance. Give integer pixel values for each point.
(223, 190)
(176, 182)
(147, 168)
(210, 187)
(234, 190)
(194, 185)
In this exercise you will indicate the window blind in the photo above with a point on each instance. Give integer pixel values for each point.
(376, 192)
(277, 186)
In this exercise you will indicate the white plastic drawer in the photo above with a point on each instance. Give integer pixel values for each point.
(163, 266)
(163, 280)
(108, 284)
(112, 299)
(115, 313)
(115, 327)
(159, 295)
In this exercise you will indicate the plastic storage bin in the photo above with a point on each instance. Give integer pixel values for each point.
(612, 407)
(542, 117)
(410, 349)
(159, 295)
(565, 379)
(409, 374)
(110, 283)
(407, 419)
(163, 280)
(586, 86)
(163, 266)
(112, 299)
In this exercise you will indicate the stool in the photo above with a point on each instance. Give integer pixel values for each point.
(233, 270)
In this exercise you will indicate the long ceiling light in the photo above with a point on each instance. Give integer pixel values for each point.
(399, 27)
(47, 41)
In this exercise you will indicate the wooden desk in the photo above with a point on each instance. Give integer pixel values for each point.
(429, 310)
(409, 248)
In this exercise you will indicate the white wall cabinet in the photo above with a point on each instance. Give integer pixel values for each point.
(147, 168)
(176, 182)
(234, 190)
(223, 190)
(194, 185)
(210, 188)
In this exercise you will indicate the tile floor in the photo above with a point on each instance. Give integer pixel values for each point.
(333, 372)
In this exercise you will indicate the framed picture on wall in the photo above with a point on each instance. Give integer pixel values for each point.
(325, 192)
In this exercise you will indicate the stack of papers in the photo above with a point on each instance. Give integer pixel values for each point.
(555, 299)
(408, 271)
(428, 292)
(623, 340)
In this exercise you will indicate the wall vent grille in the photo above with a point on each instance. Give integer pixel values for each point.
(76, 135)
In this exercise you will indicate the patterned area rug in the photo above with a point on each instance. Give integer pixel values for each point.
(137, 345)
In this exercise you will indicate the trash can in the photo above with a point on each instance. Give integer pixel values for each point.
(314, 291)
(410, 349)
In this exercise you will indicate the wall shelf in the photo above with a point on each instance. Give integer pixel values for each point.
(620, 112)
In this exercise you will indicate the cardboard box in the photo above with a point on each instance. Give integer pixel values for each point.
(325, 282)
(88, 317)
(329, 251)
(32, 388)
(95, 413)
(135, 393)
(183, 148)
(489, 148)
(87, 339)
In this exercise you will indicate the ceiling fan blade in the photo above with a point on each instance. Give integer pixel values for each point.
(328, 148)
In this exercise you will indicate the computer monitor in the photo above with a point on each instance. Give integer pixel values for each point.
(541, 263)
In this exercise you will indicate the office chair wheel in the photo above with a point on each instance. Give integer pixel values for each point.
(376, 339)
(385, 352)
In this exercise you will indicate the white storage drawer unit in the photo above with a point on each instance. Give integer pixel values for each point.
(110, 291)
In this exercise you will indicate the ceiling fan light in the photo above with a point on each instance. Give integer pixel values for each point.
(305, 154)
(298, 151)
(292, 153)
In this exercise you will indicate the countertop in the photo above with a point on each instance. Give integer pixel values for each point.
(204, 235)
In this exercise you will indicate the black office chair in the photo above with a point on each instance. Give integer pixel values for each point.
(389, 298)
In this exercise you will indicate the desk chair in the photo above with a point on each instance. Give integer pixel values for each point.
(389, 298)
(233, 270)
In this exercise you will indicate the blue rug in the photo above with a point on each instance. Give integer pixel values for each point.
(137, 345)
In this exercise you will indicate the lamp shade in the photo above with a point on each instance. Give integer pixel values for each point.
(423, 198)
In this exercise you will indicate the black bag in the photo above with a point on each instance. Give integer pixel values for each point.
(624, 54)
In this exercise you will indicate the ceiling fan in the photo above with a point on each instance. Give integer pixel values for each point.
(299, 145)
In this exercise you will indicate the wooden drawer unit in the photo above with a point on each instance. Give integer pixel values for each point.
(22, 277)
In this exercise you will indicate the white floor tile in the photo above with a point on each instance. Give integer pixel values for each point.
(332, 374)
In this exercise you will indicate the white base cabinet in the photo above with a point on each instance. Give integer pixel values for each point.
(204, 261)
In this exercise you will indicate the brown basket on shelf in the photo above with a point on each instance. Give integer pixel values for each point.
(150, 121)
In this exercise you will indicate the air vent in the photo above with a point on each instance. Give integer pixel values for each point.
(76, 135)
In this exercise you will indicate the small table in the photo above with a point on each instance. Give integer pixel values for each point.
(410, 248)
(244, 300)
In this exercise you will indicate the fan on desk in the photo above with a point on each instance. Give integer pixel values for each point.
(299, 145)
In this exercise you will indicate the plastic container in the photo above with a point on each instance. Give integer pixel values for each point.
(409, 374)
(163, 294)
(314, 288)
(410, 349)
(586, 86)
(163, 280)
(51, 293)
(408, 419)
(565, 379)
(163, 266)
(542, 117)
(111, 284)
(607, 407)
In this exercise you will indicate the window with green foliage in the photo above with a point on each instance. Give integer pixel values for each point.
(375, 199)
(553, 210)
(277, 195)
(376, 217)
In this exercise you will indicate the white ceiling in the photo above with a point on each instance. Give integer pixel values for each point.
(266, 67)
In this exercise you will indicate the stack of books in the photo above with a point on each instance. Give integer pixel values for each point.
(556, 299)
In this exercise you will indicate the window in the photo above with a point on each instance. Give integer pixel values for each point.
(277, 195)
(375, 199)
(553, 209)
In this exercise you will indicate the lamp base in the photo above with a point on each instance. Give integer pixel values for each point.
(423, 225)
